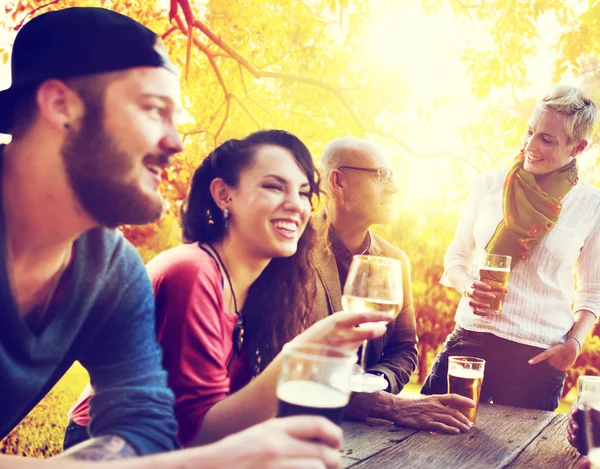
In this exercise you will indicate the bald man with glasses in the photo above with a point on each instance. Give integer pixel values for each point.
(360, 188)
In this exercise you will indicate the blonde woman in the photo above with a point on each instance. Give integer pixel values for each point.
(539, 212)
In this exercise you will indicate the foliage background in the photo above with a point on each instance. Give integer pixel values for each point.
(443, 87)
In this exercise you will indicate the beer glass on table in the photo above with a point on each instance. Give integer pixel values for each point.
(315, 380)
(591, 418)
(465, 377)
(588, 390)
(374, 284)
(495, 271)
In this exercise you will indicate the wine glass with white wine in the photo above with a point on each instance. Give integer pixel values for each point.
(374, 284)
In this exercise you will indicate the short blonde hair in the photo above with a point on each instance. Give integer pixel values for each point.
(578, 109)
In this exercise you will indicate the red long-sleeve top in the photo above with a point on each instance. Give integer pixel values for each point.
(196, 333)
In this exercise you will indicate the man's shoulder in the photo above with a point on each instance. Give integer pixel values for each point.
(112, 281)
(390, 250)
(110, 242)
(106, 252)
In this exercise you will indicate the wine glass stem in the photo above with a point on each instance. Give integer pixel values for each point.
(363, 356)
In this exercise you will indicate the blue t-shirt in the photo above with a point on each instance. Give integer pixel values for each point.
(103, 316)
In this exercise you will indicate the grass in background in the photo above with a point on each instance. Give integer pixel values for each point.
(40, 434)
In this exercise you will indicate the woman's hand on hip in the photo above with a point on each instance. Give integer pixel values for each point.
(560, 356)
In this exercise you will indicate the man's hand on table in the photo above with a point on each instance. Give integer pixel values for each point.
(437, 413)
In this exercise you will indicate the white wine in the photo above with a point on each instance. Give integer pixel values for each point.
(362, 305)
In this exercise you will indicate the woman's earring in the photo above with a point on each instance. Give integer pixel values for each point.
(226, 217)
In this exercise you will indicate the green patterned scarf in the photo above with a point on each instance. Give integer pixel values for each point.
(531, 205)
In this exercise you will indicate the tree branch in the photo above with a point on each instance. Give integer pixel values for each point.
(20, 25)
(215, 68)
(188, 54)
(239, 101)
(168, 32)
(199, 132)
(247, 94)
(337, 91)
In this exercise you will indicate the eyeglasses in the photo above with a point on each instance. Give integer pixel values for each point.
(384, 175)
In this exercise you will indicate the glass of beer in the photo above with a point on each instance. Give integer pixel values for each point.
(374, 283)
(588, 390)
(315, 380)
(592, 430)
(465, 377)
(495, 271)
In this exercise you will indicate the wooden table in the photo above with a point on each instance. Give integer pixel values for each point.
(504, 437)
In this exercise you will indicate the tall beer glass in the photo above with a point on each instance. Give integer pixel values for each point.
(315, 380)
(588, 390)
(592, 430)
(495, 271)
(374, 284)
(465, 377)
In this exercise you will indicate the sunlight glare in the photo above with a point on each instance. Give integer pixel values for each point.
(405, 41)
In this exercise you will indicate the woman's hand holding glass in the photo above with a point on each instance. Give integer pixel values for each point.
(374, 284)
(479, 296)
(340, 329)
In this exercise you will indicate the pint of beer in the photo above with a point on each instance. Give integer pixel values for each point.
(495, 271)
(315, 380)
(588, 389)
(465, 377)
(592, 430)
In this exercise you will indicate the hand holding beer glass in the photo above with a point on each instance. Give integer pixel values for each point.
(315, 380)
(591, 420)
(465, 377)
(588, 390)
(374, 284)
(487, 295)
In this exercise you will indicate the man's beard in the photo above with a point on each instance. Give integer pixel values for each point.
(95, 167)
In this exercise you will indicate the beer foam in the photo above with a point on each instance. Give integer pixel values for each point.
(495, 269)
(466, 373)
(311, 394)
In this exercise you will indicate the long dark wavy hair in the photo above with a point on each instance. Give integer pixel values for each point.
(279, 304)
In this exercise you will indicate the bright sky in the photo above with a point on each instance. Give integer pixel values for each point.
(424, 53)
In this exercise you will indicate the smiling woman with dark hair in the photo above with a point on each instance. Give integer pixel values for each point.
(240, 288)
(250, 201)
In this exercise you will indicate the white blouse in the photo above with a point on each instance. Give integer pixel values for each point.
(538, 308)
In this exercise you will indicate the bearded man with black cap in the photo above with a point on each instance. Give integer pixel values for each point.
(91, 112)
